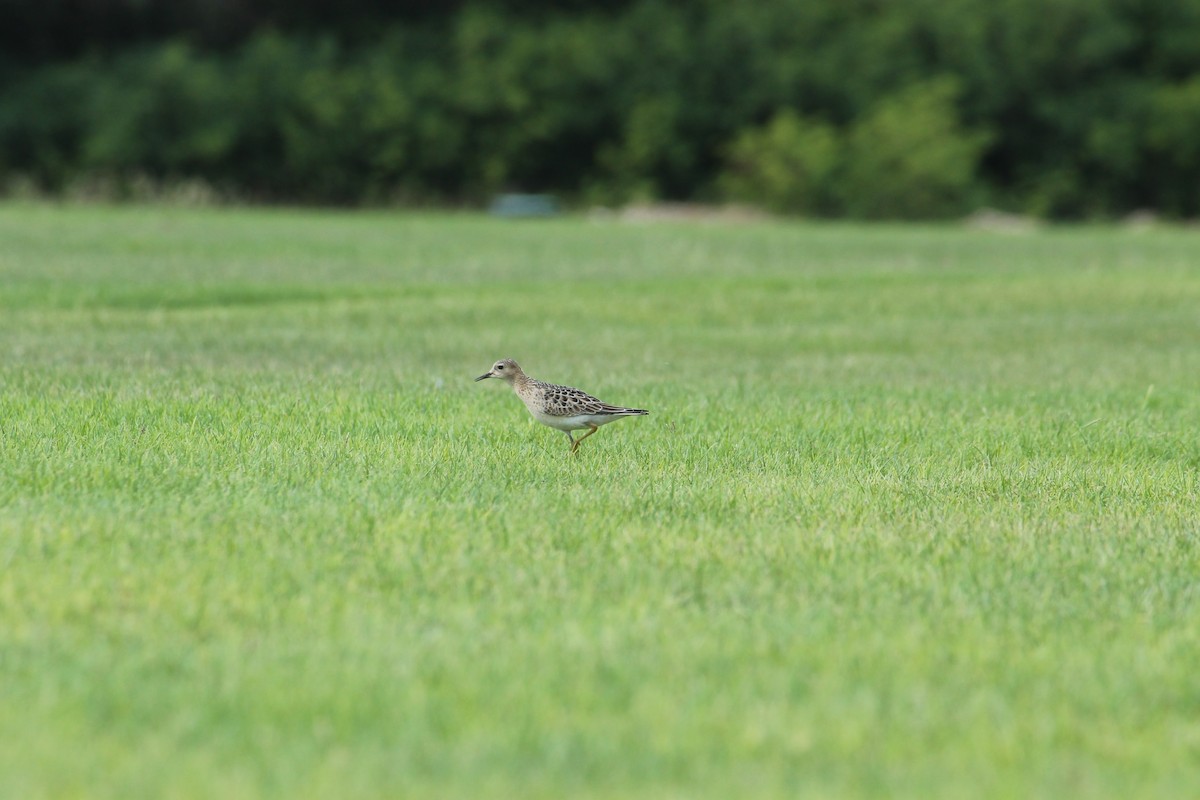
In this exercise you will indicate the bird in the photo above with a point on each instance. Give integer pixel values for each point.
(561, 407)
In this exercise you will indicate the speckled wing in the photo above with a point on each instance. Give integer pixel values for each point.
(565, 401)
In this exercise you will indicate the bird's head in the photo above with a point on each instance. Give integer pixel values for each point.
(505, 369)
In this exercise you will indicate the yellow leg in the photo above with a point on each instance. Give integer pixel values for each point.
(575, 444)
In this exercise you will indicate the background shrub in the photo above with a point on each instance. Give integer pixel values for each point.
(1173, 137)
(909, 157)
(788, 165)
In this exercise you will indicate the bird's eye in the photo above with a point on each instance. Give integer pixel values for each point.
(499, 366)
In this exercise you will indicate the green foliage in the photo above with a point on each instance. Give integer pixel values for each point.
(914, 514)
(1174, 139)
(909, 157)
(347, 131)
(163, 112)
(650, 139)
(43, 123)
(1084, 104)
(788, 165)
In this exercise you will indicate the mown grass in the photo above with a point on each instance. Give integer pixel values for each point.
(915, 514)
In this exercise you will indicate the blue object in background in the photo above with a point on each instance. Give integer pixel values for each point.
(524, 205)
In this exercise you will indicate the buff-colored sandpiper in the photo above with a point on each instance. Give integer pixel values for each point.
(560, 407)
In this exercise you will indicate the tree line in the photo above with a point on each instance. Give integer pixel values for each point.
(860, 108)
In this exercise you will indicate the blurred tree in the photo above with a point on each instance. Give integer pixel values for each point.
(43, 30)
(910, 158)
(789, 165)
(1174, 139)
(1087, 103)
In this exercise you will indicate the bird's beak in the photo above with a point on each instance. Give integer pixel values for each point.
(484, 375)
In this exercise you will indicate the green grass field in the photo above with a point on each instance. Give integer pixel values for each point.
(916, 513)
